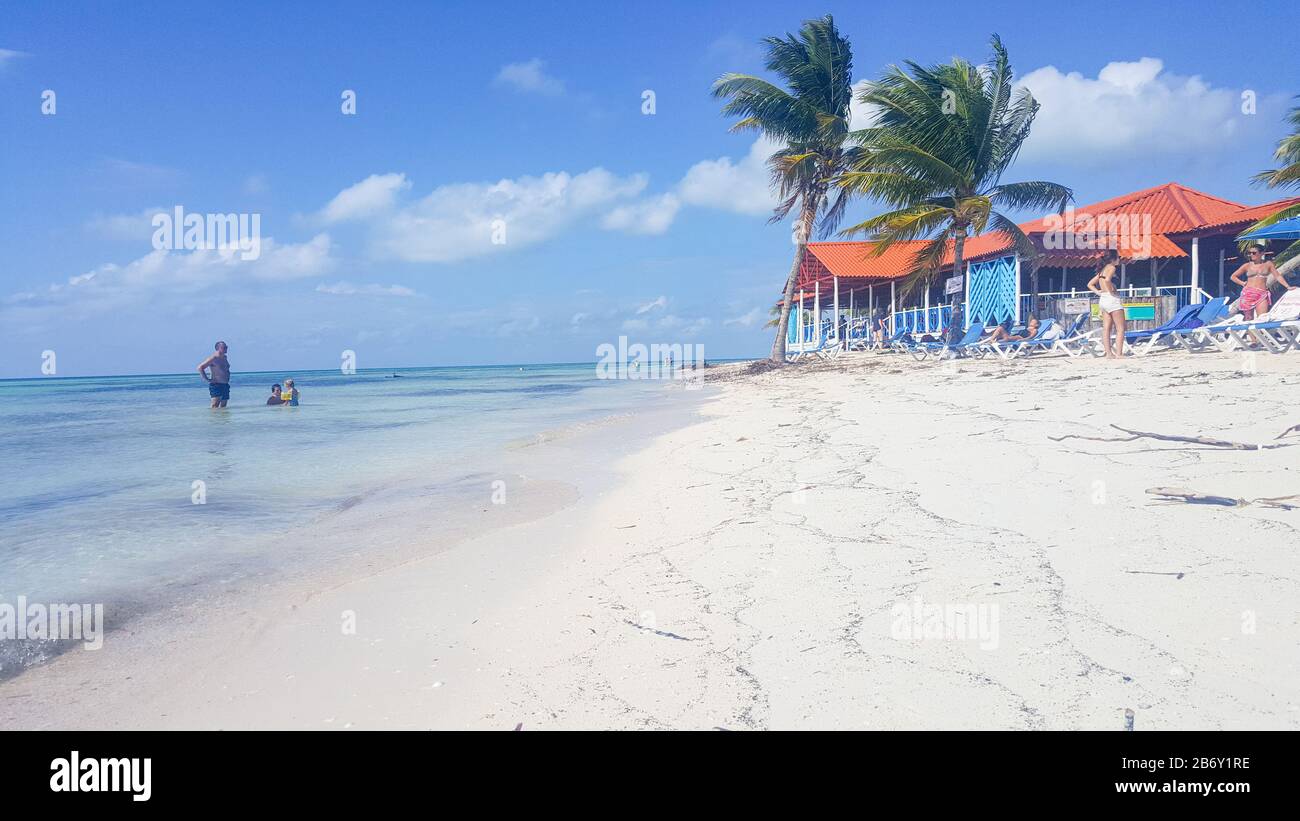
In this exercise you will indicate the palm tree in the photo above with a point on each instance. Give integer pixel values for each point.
(942, 139)
(1287, 176)
(809, 119)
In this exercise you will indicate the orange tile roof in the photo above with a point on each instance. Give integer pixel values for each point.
(854, 260)
(1172, 208)
(989, 244)
(1251, 214)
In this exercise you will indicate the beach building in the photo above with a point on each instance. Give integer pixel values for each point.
(1176, 246)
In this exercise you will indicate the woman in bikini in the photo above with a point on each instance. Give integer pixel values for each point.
(1253, 278)
(1112, 310)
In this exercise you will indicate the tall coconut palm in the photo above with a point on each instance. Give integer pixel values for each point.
(936, 152)
(809, 121)
(1287, 175)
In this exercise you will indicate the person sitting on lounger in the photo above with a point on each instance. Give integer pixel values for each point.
(1253, 277)
(1001, 334)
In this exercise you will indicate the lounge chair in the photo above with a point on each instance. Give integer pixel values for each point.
(1200, 335)
(1045, 340)
(1078, 341)
(827, 348)
(1011, 349)
(1188, 317)
(1278, 331)
(923, 349)
(894, 342)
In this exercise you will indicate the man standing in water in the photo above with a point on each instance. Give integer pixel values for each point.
(219, 382)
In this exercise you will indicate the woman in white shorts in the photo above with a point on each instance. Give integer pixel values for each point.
(1112, 310)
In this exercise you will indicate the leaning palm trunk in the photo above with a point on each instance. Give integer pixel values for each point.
(958, 249)
(803, 229)
(1290, 266)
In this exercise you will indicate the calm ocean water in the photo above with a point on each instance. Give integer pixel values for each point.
(97, 492)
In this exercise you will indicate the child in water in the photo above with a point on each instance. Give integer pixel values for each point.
(289, 394)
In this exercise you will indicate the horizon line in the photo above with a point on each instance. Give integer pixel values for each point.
(52, 377)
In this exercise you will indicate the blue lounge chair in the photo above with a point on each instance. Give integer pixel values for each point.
(1187, 317)
(921, 350)
(1278, 330)
(1009, 350)
(1197, 335)
(1044, 340)
(827, 347)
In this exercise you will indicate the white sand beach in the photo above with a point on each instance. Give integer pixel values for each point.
(748, 570)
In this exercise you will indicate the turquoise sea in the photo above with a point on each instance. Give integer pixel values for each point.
(128, 489)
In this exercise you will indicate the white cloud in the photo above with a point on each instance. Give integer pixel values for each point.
(139, 174)
(348, 289)
(861, 115)
(745, 186)
(745, 320)
(529, 77)
(658, 302)
(1129, 110)
(742, 187)
(463, 220)
(683, 326)
(256, 184)
(9, 54)
(653, 215)
(112, 286)
(137, 226)
(373, 195)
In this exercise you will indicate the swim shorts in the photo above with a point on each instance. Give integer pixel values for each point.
(219, 390)
(1110, 303)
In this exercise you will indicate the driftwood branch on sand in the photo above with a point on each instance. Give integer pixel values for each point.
(1178, 494)
(1292, 429)
(1191, 440)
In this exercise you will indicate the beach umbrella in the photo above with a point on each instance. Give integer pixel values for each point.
(1282, 229)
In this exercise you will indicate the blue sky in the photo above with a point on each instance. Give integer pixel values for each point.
(376, 226)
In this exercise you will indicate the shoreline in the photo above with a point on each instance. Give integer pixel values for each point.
(403, 518)
(761, 566)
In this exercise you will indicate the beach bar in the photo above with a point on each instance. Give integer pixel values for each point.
(1176, 247)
